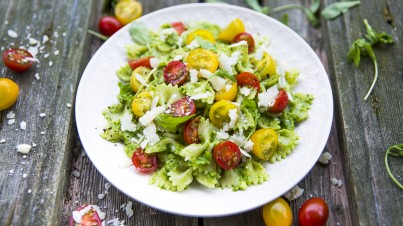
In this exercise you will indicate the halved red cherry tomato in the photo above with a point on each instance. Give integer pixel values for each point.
(244, 36)
(280, 103)
(108, 25)
(178, 26)
(144, 61)
(248, 79)
(227, 154)
(91, 218)
(191, 131)
(17, 59)
(146, 163)
(183, 107)
(314, 212)
(176, 72)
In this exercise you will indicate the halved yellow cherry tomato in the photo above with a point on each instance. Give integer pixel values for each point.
(141, 103)
(225, 94)
(235, 27)
(277, 213)
(264, 143)
(202, 59)
(219, 113)
(134, 81)
(204, 34)
(128, 10)
(265, 66)
(8, 93)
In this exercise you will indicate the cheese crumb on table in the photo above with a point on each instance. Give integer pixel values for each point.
(294, 193)
(325, 158)
(23, 125)
(10, 115)
(336, 182)
(23, 148)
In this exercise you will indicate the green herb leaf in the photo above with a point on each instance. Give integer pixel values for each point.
(255, 5)
(334, 10)
(354, 54)
(375, 37)
(284, 19)
(309, 14)
(171, 123)
(311, 17)
(315, 6)
(204, 44)
(396, 151)
(125, 93)
(139, 33)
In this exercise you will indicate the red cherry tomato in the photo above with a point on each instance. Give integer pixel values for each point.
(280, 103)
(146, 163)
(90, 218)
(176, 72)
(227, 154)
(248, 79)
(179, 27)
(191, 131)
(144, 61)
(245, 37)
(108, 25)
(314, 212)
(17, 59)
(183, 107)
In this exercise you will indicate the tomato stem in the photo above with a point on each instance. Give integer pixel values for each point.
(98, 35)
(390, 151)
(374, 81)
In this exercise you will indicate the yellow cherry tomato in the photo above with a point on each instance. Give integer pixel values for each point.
(225, 94)
(265, 66)
(277, 213)
(235, 27)
(219, 113)
(264, 143)
(8, 93)
(134, 81)
(204, 34)
(202, 59)
(141, 103)
(128, 10)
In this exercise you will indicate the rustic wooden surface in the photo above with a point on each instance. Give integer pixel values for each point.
(361, 131)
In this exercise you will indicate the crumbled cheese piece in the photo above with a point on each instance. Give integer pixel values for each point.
(217, 82)
(289, 95)
(228, 87)
(42, 115)
(140, 79)
(180, 41)
(150, 132)
(116, 222)
(78, 214)
(33, 50)
(282, 83)
(233, 115)
(178, 57)
(129, 210)
(259, 54)
(23, 148)
(42, 132)
(266, 99)
(154, 102)
(107, 186)
(154, 62)
(239, 139)
(201, 96)
(33, 144)
(126, 123)
(45, 39)
(193, 45)
(205, 73)
(32, 41)
(245, 91)
(222, 135)
(245, 153)
(37, 76)
(336, 182)
(101, 196)
(227, 62)
(29, 191)
(12, 34)
(294, 193)
(248, 145)
(2, 141)
(68, 105)
(50, 63)
(75, 173)
(24, 175)
(46, 55)
(193, 75)
(56, 52)
(166, 32)
(151, 114)
(23, 125)
(10, 115)
(243, 42)
(325, 158)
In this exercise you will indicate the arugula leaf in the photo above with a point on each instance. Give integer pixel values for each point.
(315, 6)
(334, 10)
(255, 5)
(139, 33)
(169, 122)
(284, 19)
(375, 37)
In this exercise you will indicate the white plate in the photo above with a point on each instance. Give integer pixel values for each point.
(98, 89)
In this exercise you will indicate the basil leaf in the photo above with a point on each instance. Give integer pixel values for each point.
(254, 4)
(171, 123)
(336, 9)
(284, 19)
(315, 6)
(139, 33)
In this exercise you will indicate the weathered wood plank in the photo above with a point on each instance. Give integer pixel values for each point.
(367, 128)
(32, 193)
(85, 189)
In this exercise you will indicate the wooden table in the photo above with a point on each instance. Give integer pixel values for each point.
(43, 187)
